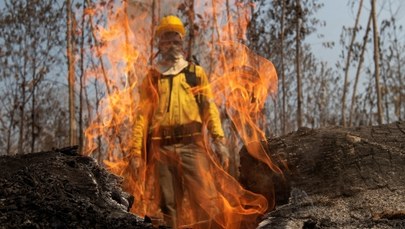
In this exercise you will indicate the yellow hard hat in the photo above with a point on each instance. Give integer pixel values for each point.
(170, 24)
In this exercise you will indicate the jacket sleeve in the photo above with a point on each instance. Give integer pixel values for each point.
(138, 135)
(140, 131)
(210, 110)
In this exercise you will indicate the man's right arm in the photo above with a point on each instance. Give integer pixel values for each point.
(138, 135)
(148, 97)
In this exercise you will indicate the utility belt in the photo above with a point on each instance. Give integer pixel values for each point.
(185, 134)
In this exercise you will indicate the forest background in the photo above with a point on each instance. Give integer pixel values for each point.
(52, 90)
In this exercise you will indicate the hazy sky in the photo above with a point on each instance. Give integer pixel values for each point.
(337, 13)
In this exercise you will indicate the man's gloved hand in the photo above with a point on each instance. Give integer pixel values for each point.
(222, 151)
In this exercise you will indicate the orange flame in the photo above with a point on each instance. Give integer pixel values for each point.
(244, 88)
(241, 81)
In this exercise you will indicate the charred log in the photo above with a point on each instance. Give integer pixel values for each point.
(333, 178)
(61, 189)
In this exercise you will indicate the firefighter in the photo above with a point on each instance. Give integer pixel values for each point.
(176, 109)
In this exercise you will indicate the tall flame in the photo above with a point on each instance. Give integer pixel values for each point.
(241, 81)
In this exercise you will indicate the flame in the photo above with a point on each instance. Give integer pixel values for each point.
(241, 80)
(243, 83)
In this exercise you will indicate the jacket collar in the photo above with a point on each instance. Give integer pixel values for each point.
(172, 69)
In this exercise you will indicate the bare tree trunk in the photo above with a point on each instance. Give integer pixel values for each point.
(228, 16)
(191, 14)
(347, 66)
(99, 143)
(238, 15)
(283, 116)
(71, 76)
(376, 63)
(22, 117)
(386, 103)
(33, 84)
(217, 30)
(152, 31)
(9, 133)
(81, 129)
(212, 52)
(22, 106)
(369, 99)
(361, 60)
(401, 86)
(11, 123)
(298, 64)
(89, 106)
(234, 159)
(33, 116)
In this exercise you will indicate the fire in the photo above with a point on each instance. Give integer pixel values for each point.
(241, 80)
(244, 86)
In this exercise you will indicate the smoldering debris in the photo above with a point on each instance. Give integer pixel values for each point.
(61, 189)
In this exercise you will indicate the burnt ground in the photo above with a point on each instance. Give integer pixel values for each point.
(61, 189)
(332, 178)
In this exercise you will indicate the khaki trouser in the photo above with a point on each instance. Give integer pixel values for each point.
(184, 168)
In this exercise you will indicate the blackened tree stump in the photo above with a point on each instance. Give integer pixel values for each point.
(333, 178)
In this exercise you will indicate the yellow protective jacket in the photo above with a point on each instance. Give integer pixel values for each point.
(168, 101)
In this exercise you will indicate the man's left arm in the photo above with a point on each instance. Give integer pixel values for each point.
(211, 116)
(210, 111)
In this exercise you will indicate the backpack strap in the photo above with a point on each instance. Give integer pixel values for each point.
(193, 80)
(191, 76)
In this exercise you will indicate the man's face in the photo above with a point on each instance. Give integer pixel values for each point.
(170, 45)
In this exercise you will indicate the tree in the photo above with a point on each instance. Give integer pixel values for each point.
(359, 67)
(31, 42)
(278, 33)
(392, 60)
(347, 65)
(377, 63)
(282, 70)
(71, 74)
(298, 62)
